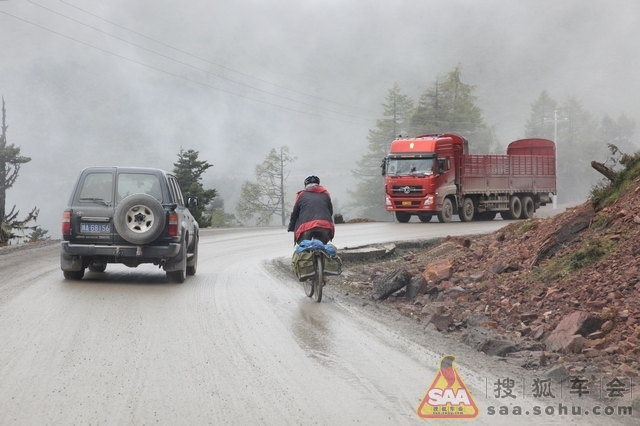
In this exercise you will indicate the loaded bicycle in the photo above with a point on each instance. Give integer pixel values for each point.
(314, 284)
(312, 261)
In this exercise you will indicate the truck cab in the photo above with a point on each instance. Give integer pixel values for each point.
(422, 174)
(435, 174)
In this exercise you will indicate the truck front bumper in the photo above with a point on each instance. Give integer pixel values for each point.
(425, 204)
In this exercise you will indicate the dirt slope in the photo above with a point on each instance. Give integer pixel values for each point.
(519, 284)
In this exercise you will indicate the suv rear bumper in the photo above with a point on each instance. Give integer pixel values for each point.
(150, 252)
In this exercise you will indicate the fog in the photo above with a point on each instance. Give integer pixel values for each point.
(232, 80)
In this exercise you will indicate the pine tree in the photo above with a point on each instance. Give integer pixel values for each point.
(189, 170)
(38, 234)
(580, 140)
(542, 111)
(448, 106)
(368, 197)
(618, 132)
(10, 163)
(577, 145)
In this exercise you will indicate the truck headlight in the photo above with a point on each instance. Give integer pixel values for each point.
(428, 201)
(388, 201)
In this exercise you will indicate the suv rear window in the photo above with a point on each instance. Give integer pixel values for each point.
(97, 186)
(139, 183)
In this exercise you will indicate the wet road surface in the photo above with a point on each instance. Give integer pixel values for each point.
(239, 343)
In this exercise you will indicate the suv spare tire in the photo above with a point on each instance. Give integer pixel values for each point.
(139, 218)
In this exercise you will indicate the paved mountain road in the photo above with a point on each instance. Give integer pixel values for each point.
(237, 344)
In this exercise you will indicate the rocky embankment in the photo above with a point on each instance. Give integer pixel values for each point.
(560, 295)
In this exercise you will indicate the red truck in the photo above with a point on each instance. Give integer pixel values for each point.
(435, 174)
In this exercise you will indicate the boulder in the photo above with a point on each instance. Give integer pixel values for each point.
(499, 267)
(442, 322)
(565, 336)
(417, 285)
(475, 277)
(557, 373)
(438, 271)
(451, 293)
(488, 341)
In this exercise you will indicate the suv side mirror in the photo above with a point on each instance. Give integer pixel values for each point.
(192, 202)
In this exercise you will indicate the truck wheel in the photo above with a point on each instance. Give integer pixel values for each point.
(425, 217)
(466, 212)
(445, 215)
(403, 217)
(515, 207)
(528, 208)
(487, 215)
(139, 218)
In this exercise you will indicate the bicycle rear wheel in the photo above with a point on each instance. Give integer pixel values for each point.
(318, 280)
(309, 286)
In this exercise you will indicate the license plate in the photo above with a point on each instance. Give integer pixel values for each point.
(95, 228)
(406, 203)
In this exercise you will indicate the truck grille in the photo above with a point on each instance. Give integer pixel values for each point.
(407, 191)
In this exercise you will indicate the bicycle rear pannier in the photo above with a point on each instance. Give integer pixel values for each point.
(302, 264)
(332, 265)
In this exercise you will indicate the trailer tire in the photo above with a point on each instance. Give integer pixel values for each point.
(466, 212)
(515, 207)
(528, 207)
(445, 215)
(425, 217)
(485, 216)
(403, 217)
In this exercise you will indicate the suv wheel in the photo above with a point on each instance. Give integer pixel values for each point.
(139, 218)
(73, 275)
(192, 264)
(179, 275)
(97, 267)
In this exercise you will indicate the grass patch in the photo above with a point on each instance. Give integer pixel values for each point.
(527, 226)
(588, 253)
(599, 222)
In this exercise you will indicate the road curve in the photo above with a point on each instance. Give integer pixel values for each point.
(236, 344)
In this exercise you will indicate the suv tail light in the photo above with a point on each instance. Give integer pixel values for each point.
(173, 224)
(66, 222)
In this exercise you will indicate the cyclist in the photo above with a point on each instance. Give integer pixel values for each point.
(312, 214)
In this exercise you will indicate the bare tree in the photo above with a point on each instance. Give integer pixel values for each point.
(265, 197)
(10, 162)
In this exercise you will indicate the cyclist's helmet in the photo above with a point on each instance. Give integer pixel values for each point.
(311, 179)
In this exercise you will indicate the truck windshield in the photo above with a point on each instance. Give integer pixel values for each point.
(410, 166)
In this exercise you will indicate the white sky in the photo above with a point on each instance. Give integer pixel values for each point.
(309, 74)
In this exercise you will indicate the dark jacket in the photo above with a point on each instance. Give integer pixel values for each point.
(313, 209)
